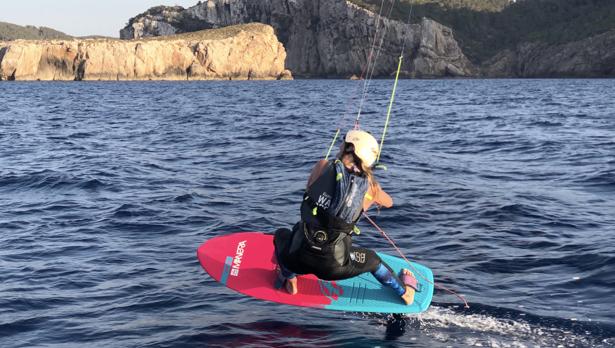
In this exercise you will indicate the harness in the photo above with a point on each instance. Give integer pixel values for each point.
(331, 206)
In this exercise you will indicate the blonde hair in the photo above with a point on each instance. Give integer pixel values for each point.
(368, 171)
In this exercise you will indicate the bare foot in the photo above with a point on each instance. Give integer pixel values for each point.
(291, 285)
(408, 296)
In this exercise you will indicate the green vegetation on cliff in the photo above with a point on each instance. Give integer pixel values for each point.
(485, 27)
(10, 32)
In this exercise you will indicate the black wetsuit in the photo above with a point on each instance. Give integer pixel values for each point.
(321, 243)
(344, 261)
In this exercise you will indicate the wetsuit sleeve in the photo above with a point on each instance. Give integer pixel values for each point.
(375, 194)
(316, 171)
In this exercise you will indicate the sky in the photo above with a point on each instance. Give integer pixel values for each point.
(80, 17)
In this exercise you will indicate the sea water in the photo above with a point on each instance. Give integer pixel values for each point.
(505, 188)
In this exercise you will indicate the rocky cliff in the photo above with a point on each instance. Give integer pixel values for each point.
(591, 57)
(323, 38)
(239, 52)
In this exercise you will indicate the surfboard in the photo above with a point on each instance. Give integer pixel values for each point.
(246, 263)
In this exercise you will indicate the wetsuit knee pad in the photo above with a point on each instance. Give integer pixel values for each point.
(365, 259)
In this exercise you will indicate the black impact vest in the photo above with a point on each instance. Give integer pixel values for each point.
(332, 205)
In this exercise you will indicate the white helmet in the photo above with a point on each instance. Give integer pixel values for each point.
(365, 146)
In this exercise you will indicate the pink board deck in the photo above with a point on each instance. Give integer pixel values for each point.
(245, 262)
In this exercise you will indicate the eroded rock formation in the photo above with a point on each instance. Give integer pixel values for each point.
(322, 38)
(241, 52)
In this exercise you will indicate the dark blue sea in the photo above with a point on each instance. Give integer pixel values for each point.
(505, 188)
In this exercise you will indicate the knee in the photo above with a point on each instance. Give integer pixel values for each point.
(280, 237)
(367, 258)
(373, 261)
(281, 231)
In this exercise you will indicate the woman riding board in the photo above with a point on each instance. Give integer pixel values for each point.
(338, 191)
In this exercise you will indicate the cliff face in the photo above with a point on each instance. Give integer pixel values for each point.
(3, 45)
(592, 57)
(330, 37)
(240, 52)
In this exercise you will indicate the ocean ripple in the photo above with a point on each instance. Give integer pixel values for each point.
(505, 188)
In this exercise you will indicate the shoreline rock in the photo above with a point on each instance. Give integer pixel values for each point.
(323, 38)
(243, 52)
(332, 39)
